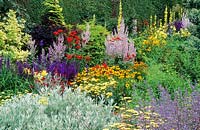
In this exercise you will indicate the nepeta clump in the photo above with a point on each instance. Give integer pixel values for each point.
(72, 110)
(180, 113)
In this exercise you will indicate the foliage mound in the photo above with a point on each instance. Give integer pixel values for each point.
(13, 39)
(71, 110)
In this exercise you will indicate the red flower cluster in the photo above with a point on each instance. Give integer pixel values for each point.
(56, 33)
(79, 57)
(73, 37)
(129, 57)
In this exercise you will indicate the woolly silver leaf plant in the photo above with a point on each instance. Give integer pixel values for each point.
(52, 111)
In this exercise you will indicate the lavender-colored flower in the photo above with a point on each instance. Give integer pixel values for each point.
(72, 70)
(180, 113)
(57, 51)
(35, 67)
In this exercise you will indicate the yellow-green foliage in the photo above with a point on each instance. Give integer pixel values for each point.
(12, 38)
(95, 47)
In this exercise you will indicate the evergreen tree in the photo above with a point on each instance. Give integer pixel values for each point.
(52, 13)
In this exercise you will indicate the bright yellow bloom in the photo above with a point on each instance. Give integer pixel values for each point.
(109, 94)
(43, 101)
(27, 71)
(139, 78)
(127, 85)
(44, 73)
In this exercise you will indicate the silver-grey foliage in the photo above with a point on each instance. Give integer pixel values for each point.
(51, 111)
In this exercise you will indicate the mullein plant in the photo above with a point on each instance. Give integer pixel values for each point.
(120, 15)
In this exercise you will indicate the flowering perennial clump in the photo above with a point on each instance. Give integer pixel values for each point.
(108, 81)
(119, 45)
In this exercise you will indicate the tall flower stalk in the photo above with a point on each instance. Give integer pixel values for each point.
(118, 44)
(120, 15)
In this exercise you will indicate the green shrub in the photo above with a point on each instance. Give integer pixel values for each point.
(13, 38)
(180, 54)
(165, 76)
(71, 111)
(183, 56)
(95, 47)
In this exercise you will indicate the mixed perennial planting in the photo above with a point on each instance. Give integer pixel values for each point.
(85, 77)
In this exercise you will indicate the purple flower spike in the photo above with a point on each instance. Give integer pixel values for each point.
(178, 25)
(19, 67)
